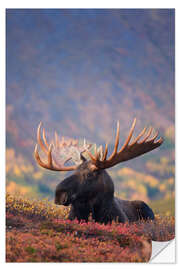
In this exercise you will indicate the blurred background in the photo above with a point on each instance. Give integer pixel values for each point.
(79, 71)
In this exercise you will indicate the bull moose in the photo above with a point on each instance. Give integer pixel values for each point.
(90, 190)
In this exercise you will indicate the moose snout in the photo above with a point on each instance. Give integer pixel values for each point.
(65, 190)
(61, 198)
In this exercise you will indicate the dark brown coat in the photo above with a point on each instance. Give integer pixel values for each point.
(92, 192)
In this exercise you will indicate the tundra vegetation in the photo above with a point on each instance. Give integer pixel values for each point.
(38, 230)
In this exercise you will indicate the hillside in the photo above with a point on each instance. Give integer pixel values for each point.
(79, 71)
(155, 182)
(38, 231)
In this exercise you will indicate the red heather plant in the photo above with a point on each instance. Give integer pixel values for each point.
(39, 232)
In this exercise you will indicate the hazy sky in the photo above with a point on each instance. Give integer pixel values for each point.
(90, 66)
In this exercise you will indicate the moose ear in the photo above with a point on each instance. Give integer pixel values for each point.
(83, 158)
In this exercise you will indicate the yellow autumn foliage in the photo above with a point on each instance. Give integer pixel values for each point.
(162, 187)
(141, 189)
(163, 167)
(15, 164)
(10, 154)
(27, 168)
(131, 183)
(13, 188)
(37, 175)
(170, 132)
(171, 181)
(8, 167)
(164, 160)
(126, 171)
(16, 170)
(153, 182)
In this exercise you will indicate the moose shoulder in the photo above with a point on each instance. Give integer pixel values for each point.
(90, 190)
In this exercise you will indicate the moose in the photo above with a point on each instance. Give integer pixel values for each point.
(90, 190)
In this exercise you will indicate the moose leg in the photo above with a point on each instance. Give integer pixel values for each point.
(72, 215)
(108, 211)
(143, 210)
(79, 210)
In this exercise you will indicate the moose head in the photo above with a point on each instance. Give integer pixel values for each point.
(90, 190)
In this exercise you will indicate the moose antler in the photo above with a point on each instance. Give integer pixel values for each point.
(59, 152)
(127, 151)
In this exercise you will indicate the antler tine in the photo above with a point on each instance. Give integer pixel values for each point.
(43, 147)
(129, 136)
(56, 139)
(117, 139)
(139, 136)
(160, 141)
(44, 138)
(37, 157)
(96, 153)
(116, 142)
(63, 141)
(68, 143)
(154, 137)
(147, 136)
(99, 159)
(59, 166)
(50, 163)
(100, 152)
(105, 152)
(128, 151)
(91, 156)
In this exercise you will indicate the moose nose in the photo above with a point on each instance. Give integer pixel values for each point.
(56, 201)
(61, 198)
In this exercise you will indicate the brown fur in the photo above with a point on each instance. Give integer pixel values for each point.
(91, 191)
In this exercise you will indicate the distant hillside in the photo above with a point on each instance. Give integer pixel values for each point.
(79, 71)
